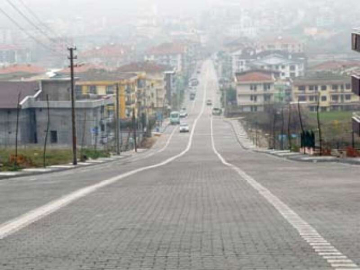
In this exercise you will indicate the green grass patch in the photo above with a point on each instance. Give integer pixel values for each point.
(340, 116)
(33, 157)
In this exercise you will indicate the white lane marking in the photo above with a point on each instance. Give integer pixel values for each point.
(305, 229)
(30, 217)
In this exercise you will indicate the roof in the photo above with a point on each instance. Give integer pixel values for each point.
(254, 76)
(279, 40)
(111, 50)
(335, 65)
(82, 68)
(321, 77)
(94, 75)
(167, 48)
(29, 69)
(148, 67)
(9, 92)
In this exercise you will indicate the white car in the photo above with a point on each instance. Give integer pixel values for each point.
(184, 127)
(183, 114)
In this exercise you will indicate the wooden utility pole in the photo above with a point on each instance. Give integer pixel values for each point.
(18, 108)
(73, 120)
(134, 129)
(117, 131)
(319, 124)
(47, 130)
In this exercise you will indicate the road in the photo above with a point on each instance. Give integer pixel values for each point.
(194, 201)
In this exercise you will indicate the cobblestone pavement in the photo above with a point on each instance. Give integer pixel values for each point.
(191, 213)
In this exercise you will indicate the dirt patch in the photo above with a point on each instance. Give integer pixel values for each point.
(147, 143)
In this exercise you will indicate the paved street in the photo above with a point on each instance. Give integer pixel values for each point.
(194, 201)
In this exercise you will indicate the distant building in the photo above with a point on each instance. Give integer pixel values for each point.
(333, 90)
(20, 72)
(254, 90)
(168, 54)
(287, 44)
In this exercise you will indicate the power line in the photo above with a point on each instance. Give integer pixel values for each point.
(29, 21)
(27, 33)
(36, 17)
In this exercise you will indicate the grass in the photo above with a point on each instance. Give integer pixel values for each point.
(33, 157)
(327, 117)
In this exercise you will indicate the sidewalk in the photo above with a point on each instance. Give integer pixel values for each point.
(247, 144)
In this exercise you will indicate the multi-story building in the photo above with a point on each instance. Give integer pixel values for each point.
(254, 90)
(333, 90)
(169, 54)
(287, 44)
(92, 115)
(155, 83)
(289, 65)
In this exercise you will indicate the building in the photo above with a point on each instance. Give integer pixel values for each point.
(92, 117)
(168, 54)
(333, 90)
(287, 44)
(155, 83)
(100, 83)
(289, 65)
(254, 90)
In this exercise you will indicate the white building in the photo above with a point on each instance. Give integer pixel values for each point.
(254, 90)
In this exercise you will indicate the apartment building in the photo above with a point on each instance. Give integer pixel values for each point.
(254, 90)
(333, 90)
(287, 44)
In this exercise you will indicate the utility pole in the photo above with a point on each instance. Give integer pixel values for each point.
(134, 129)
(117, 131)
(73, 120)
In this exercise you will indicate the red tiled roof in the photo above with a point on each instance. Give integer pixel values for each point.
(253, 77)
(115, 50)
(167, 48)
(148, 67)
(335, 65)
(22, 69)
(9, 92)
(82, 68)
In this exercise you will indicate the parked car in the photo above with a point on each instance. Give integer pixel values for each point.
(209, 102)
(216, 111)
(183, 114)
(192, 96)
(184, 127)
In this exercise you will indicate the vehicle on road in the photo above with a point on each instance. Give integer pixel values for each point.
(184, 127)
(209, 102)
(174, 118)
(192, 96)
(216, 111)
(183, 114)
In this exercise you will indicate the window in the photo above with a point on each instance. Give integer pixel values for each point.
(302, 98)
(347, 97)
(334, 87)
(253, 87)
(253, 98)
(92, 89)
(110, 89)
(334, 98)
(311, 87)
(323, 98)
(302, 88)
(78, 90)
(342, 87)
(292, 75)
(267, 86)
(253, 108)
(323, 87)
(292, 67)
(102, 128)
(348, 86)
(53, 136)
(283, 67)
(267, 98)
(311, 98)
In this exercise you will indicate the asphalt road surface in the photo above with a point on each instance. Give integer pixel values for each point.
(194, 201)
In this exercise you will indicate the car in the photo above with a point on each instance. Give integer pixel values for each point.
(216, 111)
(192, 96)
(184, 127)
(183, 114)
(209, 102)
(174, 118)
